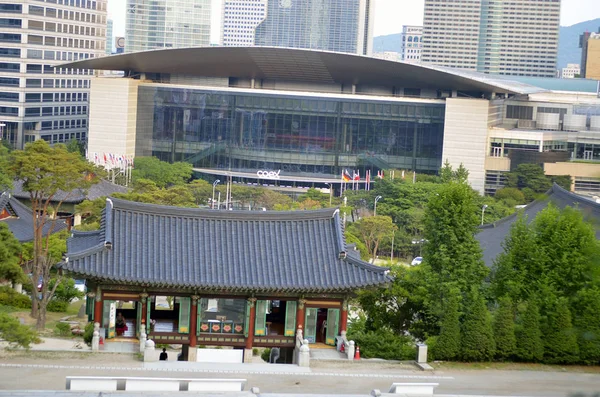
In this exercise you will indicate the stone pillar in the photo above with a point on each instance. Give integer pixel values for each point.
(149, 353)
(250, 337)
(344, 317)
(77, 219)
(143, 337)
(96, 337)
(351, 350)
(300, 313)
(304, 356)
(18, 287)
(193, 323)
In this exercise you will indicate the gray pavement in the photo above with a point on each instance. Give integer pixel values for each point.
(19, 373)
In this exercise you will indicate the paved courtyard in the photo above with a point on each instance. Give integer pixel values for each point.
(48, 370)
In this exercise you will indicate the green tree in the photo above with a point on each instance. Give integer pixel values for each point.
(504, 330)
(75, 146)
(560, 339)
(530, 346)
(5, 175)
(510, 195)
(16, 334)
(10, 251)
(529, 176)
(201, 190)
(316, 195)
(44, 171)
(373, 230)
(448, 345)
(587, 324)
(477, 335)
(460, 175)
(160, 172)
(66, 290)
(91, 213)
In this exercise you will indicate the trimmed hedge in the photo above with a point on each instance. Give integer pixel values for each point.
(10, 297)
(57, 306)
(384, 344)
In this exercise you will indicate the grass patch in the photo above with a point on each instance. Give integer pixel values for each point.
(509, 366)
(8, 309)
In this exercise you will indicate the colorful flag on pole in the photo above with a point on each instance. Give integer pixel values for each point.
(346, 176)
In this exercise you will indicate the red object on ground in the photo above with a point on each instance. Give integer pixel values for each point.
(101, 342)
(357, 353)
(343, 348)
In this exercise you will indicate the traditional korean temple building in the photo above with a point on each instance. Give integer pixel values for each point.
(219, 278)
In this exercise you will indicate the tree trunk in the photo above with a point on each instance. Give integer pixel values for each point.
(34, 293)
(41, 318)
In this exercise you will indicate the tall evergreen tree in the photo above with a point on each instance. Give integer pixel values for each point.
(560, 339)
(587, 324)
(530, 346)
(447, 346)
(504, 330)
(477, 334)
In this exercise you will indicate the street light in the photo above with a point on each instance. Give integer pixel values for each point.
(212, 203)
(483, 212)
(330, 191)
(375, 207)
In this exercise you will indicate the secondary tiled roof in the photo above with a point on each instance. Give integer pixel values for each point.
(493, 235)
(101, 189)
(200, 249)
(21, 221)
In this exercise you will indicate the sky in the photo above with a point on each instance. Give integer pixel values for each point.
(390, 15)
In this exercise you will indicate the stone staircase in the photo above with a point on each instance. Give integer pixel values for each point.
(327, 354)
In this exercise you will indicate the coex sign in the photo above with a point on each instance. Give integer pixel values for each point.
(268, 174)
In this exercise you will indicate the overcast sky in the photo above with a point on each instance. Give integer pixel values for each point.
(390, 15)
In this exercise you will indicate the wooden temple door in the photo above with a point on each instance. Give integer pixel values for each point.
(333, 323)
(310, 324)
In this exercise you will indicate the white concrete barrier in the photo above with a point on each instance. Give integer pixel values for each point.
(152, 384)
(413, 389)
(228, 356)
(91, 383)
(216, 385)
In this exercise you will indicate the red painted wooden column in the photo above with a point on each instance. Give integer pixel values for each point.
(98, 310)
(344, 316)
(193, 321)
(300, 314)
(144, 301)
(250, 338)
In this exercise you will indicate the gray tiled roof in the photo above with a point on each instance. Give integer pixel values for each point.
(228, 250)
(21, 225)
(101, 189)
(493, 235)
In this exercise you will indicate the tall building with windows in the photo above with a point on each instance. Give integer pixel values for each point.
(411, 44)
(517, 37)
(109, 36)
(152, 24)
(331, 25)
(240, 19)
(38, 100)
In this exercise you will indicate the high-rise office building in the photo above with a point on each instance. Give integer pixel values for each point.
(411, 44)
(152, 24)
(584, 45)
(517, 37)
(592, 57)
(109, 36)
(331, 25)
(240, 19)
(38, 100)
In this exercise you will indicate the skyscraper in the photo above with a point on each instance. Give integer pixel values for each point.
(38, 100)
(331, 25)
(240, 19)
(152, 24)
(109, 36)
(517, 37)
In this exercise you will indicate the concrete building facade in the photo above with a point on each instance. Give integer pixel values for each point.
(592, 56)
(240, 19)
(37, 99)
(330, 25)
(571, 71)
(109, 36)
(411, 44)
(518, 37)
(152, 24)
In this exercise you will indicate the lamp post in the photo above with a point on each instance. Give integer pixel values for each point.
(375, 207)
(483, 212)
(2, 125)
(212, 203)
(330, 191)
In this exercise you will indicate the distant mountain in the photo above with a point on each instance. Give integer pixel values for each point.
(568, 45)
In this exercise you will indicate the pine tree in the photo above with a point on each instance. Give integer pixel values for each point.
(504, 330)
(447, 346)
(587, 324)
(477, 336)
(560, 339)
(529, 336)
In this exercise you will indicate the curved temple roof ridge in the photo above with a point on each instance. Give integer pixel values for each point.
(237, 250)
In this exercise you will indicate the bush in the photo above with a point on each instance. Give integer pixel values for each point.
(560, 339)
(66, 290)
(16, 334)
(266, 354)
(384, 344)
(529, 336)
(88, 333)
(57, 306)
(504, 330)
(477, 333)
(63, 329)
(447, 345)
(10, 297)
(255, 351)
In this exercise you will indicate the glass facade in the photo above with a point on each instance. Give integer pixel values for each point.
(331, 25)
(295, 134)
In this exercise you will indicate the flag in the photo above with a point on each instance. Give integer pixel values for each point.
(357, 175)
(104, 158)
(346, 176)
(368, 178)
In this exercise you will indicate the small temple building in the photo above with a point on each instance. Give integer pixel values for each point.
(199, 277)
